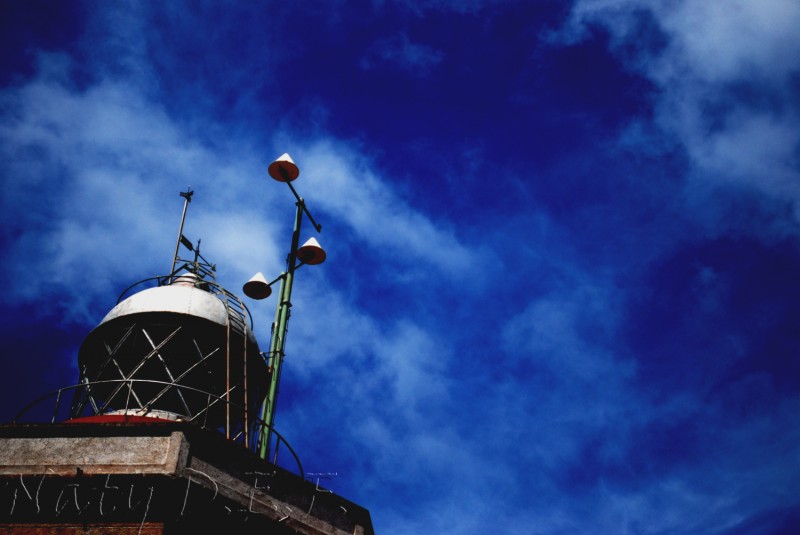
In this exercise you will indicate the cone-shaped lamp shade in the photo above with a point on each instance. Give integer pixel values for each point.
(311, 252)
(283, 169)
(257, 287)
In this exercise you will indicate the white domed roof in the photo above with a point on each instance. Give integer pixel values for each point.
(179, 299)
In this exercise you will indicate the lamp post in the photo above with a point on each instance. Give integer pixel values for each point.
(283, 170)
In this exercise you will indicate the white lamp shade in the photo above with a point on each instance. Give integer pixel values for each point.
(257, 287)
(284, 169)
(311, 252)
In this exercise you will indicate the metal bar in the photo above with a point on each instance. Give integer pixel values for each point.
(177, 380)
(128, 398)
(89, 395)
(79, 403)
(275, 455)
(122, 374)
(141, 363)
(112, 352)
(227, 372)
(169, 374)
(188, 196)
(55, 411)
(210, 404)
(158, 279)
(244, 383)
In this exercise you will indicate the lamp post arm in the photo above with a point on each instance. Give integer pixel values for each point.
(317, 226)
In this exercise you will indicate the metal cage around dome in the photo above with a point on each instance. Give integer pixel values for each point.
(171, 348)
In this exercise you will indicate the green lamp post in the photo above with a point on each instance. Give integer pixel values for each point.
(283, 170)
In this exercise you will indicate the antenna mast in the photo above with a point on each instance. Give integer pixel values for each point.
(188, 196)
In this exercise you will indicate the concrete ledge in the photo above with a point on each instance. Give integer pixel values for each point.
(172, 473)
(91, 455)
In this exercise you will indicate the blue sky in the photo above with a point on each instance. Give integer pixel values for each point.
(563, 242)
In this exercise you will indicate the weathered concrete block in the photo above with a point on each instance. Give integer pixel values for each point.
(91, 454)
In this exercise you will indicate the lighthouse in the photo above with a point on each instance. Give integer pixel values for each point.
(170, 425)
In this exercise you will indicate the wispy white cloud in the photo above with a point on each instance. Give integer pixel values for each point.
(89, 169)
(346, 186)
(587, 417)
(87, 190)
(709, 52)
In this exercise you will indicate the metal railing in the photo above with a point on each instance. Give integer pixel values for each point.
(63, 411)
(231, 301)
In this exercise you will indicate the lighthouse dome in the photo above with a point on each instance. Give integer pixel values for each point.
(186, 349)
(177, 299)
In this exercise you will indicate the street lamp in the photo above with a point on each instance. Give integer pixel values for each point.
(283, 170)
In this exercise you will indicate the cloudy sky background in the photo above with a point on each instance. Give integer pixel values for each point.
(561, 293)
